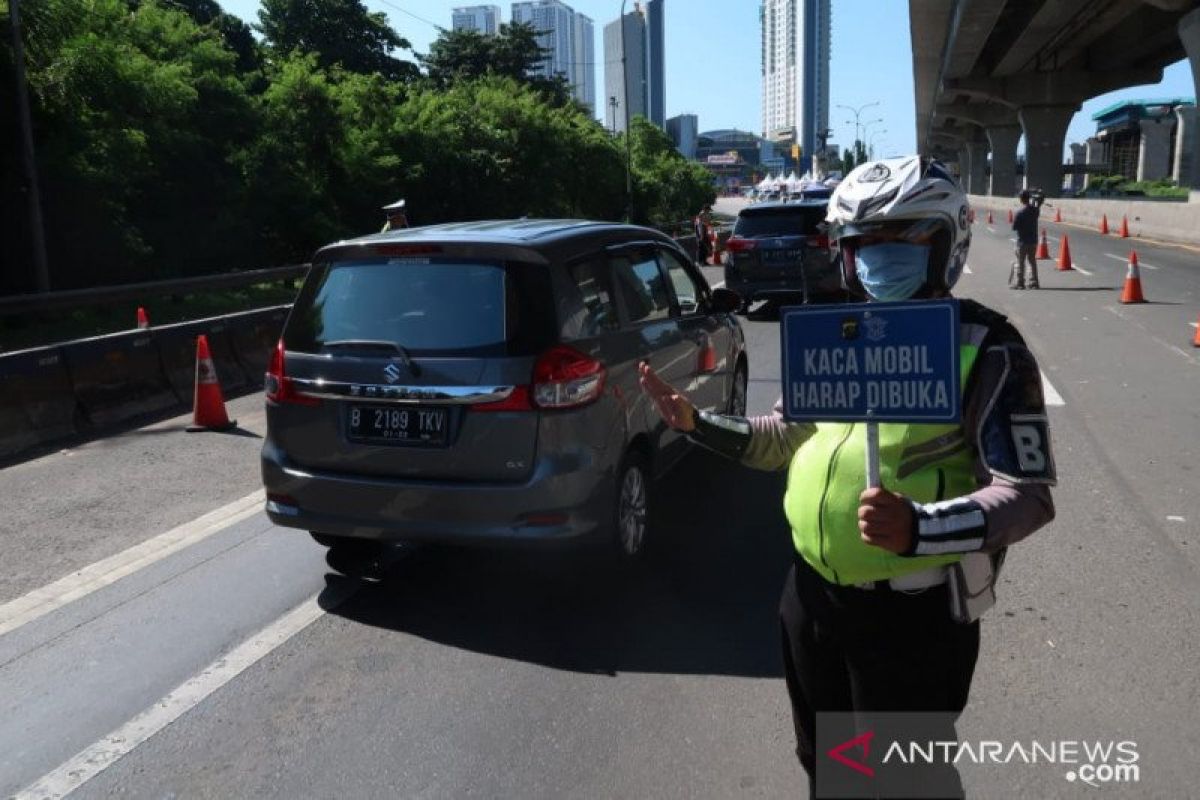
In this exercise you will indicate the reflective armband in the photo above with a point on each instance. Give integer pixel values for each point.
(727, 436)
(951, 526)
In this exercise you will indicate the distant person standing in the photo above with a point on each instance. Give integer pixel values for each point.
(1025, 223)
(397, 217)
(700, 227)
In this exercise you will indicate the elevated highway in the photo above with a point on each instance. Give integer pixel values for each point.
(987, 72)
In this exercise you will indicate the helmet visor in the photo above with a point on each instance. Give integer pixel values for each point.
(920, 231)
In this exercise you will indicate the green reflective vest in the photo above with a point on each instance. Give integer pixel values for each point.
(925, 462)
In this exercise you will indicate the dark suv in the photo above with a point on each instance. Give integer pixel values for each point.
(477, 382)
(777, 250)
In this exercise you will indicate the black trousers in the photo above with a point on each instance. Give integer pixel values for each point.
(848, 649)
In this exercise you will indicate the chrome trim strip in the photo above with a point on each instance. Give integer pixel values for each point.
(382, 393)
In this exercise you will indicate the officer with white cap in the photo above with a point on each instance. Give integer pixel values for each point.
(396, 216)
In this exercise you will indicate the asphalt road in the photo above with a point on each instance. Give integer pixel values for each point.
(239, 664)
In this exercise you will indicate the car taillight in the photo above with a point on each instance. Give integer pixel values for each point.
(517, 401)
(737, 244)
(566, 378)
(562, 378)
(821, 241)
(279, 387)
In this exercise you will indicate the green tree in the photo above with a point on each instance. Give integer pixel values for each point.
(338, 32)
(667, 188)
(513, 53)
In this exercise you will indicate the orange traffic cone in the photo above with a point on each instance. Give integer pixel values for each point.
(1124, 228)
(715, 246)
(1196, 339)
(1104, 223)
(1064, 255)
(1058, 215)
(143, 319)
(1010, 216)
(208, 408)
(1133, 282)
(1043, 250)
(990, 221)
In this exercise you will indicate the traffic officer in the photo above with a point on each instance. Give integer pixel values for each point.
(397, 216)
(866, 610)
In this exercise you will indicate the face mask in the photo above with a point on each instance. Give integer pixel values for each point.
(892, 271)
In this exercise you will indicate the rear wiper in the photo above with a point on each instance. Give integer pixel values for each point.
(376, 344)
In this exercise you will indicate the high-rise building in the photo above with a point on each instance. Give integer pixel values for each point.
(647, 76)
(795, 70)
(583, 76)
(568, 38)
(656, 74)
(684, 130)
(485, 19)
(627, 75)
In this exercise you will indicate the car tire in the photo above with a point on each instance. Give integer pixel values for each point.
(738, 391)
(631, 506)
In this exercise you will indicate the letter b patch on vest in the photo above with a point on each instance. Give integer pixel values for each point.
(1015, 437)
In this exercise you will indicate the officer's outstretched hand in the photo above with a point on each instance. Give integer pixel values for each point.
(885, 519)
(676, 410)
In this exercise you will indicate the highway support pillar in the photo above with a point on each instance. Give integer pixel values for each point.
(1154, 150)
(1003, 139)
(1186, 120)
(977, 153)
(1045, 129)
(1189, 35)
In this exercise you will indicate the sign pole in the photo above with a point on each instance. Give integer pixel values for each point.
(872, 454)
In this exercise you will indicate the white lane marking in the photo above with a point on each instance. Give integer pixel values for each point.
(1125, 260)
(991, 229)
(100, 755)
(42, 601)
(1174, 518)
(1050, 394)
(1078, 268)
(718, 285)
(1194, 324)
(967, 269)
(1133, 320)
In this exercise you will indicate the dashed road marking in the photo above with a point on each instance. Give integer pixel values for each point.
(1051, 395)
(81, 583)
(101, 755)
(1078, 268)
(1125, 259)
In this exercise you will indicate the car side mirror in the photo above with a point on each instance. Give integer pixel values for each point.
(726, 301)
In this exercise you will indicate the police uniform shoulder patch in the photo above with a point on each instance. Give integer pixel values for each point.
(1014, 437)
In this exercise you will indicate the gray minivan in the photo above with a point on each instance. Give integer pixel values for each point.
(477, 383)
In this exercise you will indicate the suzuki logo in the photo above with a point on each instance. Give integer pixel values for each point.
(863, 741)
(392, 373)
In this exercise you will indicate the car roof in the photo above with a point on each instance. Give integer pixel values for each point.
(541, 240)
(779, 205)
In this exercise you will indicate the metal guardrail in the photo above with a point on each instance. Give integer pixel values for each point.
(81, 298)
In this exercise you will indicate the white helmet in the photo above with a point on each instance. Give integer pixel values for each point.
(908, 199)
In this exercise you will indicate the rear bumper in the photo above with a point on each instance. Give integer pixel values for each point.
(571, 496)
(754, 288)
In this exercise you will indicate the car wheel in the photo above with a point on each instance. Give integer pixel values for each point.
(631, 505)
(737, 392)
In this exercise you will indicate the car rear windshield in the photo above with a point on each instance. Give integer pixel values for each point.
(429, 306)
(793, 221)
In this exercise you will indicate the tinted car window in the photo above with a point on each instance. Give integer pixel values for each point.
(793, 221)
(425, 305)
(587, 307)
(641, 286)
(687, 292)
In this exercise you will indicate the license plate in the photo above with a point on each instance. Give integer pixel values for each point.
(782, 255)
(397, 424)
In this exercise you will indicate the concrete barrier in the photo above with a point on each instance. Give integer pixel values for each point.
(1152, 219)
(254, 335)
(118, 377)
(37, 404)
(176, 345)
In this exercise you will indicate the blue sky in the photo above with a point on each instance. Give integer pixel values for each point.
(712, 62)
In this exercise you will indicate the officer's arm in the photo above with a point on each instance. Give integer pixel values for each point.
(1014, 465)
(766, 442)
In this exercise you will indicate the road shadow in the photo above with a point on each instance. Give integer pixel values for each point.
(704, 603)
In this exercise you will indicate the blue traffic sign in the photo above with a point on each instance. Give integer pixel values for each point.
(872, 362)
